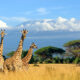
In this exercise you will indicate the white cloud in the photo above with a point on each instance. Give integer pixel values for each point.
(42, 11)
(45, 25)
(52, 24)
(72, 19)
(3, 25)
(61, 20)
(40, 26)
(19, 19)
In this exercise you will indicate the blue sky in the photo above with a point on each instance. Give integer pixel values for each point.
(14, 12)
(40, 15)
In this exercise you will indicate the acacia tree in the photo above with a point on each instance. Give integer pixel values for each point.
(48, 52)
(73, 47)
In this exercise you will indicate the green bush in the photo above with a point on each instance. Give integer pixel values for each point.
(77, 60)
(48, 61)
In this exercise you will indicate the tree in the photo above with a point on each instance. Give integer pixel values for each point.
(74, 44)
(24, 53)
(48, 52)
(10, 54)
(73, 47)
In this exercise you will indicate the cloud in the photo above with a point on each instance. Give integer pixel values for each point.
(3, 25)
(19, 19)
(59, 24)
(42, 11)
(61, 20)
(37, 25)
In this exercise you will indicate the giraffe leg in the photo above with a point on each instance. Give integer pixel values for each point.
(1, 65)
(5, 69)
(10, 68)
(26, 66)
(1, 68)
(15, 68)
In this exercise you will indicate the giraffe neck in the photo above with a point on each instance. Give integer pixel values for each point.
(20, 48)
(28, 56)
(1, 46)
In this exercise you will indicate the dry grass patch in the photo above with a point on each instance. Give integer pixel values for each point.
(45, 72)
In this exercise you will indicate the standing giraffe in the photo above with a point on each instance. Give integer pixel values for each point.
(1, 49)
(15, 62)
(27, 58)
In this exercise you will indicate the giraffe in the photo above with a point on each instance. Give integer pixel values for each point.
(27, 58)
(1, 49)
(14, 63)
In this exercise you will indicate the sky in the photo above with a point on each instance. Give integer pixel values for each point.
(14, 12)
(43, 18)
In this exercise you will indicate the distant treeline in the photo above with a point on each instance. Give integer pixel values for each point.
(51, 54)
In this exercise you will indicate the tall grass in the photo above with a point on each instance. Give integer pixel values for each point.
(45, 72)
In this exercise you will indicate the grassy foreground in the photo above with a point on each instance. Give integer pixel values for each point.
(45, 72)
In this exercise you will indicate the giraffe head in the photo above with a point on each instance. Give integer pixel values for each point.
(2, 33)
(33, 45)
(24, 32)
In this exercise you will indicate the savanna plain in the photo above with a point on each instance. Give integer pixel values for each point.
(45, 72)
